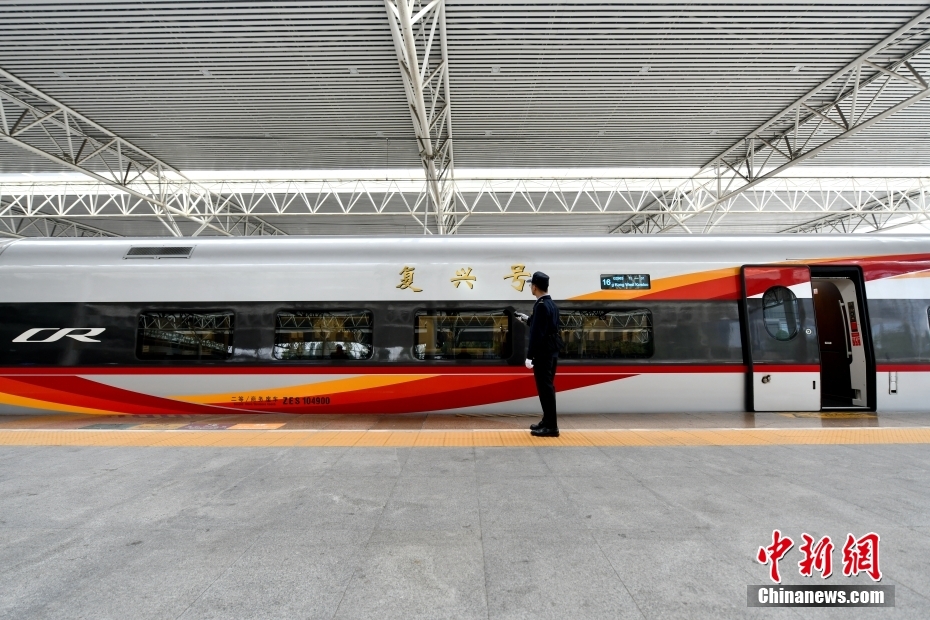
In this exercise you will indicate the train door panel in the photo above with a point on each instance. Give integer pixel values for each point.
(843, 343)
(783, 353)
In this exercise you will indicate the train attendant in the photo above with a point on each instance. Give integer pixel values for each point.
(543, 353)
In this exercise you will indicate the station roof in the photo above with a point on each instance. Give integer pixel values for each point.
(306, 85)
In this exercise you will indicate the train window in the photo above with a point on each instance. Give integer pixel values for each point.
(185, 335)
(599, 334)
(780, 313)
(462, 335)
(302, 335)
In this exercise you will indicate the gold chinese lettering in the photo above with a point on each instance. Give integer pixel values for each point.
(464, 275)
(406, 279)
(519, 276)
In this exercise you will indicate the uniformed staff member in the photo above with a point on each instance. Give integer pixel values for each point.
(543, 353)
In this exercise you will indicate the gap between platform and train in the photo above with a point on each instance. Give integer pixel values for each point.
(167, 435)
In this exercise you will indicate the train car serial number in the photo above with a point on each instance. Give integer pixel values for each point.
(305, 400)
(283, 400)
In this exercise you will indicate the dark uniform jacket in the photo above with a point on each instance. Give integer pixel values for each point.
(544, 329)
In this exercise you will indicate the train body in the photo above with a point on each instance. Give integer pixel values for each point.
(419, 324)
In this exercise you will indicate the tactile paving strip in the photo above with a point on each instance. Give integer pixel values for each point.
(224, 437)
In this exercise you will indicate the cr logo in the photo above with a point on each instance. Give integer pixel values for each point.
(86, 336)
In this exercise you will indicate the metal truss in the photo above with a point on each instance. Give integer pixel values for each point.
(17, 224)
(418, 28)
(186, 321)
(881, 82)
(325, 321)
(778, 204)
(38, 123)
(891, 207)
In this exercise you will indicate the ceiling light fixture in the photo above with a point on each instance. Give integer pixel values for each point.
(206, 73)
(379, 134)
(353, 70)
(495, 68)
(488, 133)
(62, 75)
(644, 69)
(797, 69)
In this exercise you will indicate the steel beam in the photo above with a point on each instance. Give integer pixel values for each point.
(42, 125)
(781, 204)
(879, 83)
(879, 212)
(18, 224)
(418, 28)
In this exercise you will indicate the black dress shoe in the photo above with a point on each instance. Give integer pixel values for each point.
(536, 427)
(545, 432)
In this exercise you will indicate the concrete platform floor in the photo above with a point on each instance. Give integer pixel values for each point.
(424, 421)
(527, 532)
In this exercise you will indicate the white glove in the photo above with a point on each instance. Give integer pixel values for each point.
(529, 364)
(521, 317)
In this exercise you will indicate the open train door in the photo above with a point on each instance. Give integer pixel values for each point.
(780, 336)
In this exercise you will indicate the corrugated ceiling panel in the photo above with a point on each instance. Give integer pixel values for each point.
(244, 85)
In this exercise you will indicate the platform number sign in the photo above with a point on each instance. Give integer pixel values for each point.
(625, 282)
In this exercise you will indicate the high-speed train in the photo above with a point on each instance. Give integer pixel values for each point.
(418, 324)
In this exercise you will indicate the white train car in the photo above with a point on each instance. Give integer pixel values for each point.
(401, 325)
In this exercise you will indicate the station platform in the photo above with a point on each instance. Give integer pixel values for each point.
(465, 430)
(447, 516)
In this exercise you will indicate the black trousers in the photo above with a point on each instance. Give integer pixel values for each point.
(544, 373)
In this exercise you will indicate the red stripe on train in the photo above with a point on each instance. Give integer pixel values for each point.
(352, 369)
(80, 392)
(879, 267)
(760, 279)
(435, 393)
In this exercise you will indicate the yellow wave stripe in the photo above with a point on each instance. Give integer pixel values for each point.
(466, 438)
(33, 403)
(662, 284)
(323, 388)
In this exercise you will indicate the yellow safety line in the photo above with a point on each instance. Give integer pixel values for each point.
(463, 438)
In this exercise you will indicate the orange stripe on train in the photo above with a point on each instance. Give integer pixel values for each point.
(429, 393)
(726, 284)
(715, 284)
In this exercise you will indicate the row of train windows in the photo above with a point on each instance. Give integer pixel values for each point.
(587, 334)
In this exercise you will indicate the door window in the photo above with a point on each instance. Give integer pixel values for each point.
(780, 313)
